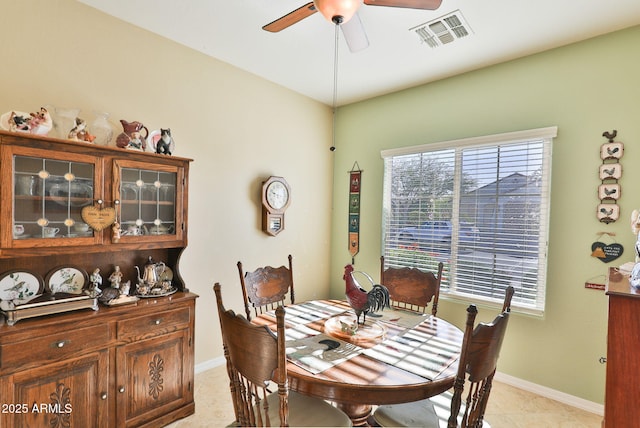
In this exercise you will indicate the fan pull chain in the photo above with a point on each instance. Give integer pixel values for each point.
(335, 81)
(335, 66)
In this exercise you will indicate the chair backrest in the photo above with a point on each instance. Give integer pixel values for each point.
(411, 288)
(266, 288)
(478, 360)
(254, 357)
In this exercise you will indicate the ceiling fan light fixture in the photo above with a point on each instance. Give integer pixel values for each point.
(332, 9)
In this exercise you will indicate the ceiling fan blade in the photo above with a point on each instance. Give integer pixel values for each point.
(354, 34)
(291, 18)
(411, 4)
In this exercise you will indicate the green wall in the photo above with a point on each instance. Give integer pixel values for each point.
(584, 89)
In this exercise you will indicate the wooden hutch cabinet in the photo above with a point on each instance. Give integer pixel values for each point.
(129, 365)
(623, 364)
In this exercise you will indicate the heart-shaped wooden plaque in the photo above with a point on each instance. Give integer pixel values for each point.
(98, 218)
(606, 252)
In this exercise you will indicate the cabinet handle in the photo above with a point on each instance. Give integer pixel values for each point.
(103, 396)
(157, 322)
(121, 389)
(60, 344)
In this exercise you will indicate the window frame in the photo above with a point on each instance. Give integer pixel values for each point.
(449, 289)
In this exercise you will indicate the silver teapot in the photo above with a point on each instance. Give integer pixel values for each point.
(151, 273)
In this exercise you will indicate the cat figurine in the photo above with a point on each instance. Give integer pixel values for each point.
(163, 146)
(79, 132)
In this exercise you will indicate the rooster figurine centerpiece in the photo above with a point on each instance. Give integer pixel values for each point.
(363, 301)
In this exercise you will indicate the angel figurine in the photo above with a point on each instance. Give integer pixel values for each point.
(95, 282)
(116, 277)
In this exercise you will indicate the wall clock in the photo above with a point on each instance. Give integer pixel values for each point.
(276, 196)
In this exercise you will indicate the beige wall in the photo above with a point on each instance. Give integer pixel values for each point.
(584, 89)
(238, 128)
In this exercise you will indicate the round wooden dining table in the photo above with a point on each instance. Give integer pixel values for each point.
(395, 357)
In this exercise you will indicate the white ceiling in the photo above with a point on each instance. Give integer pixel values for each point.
(301, 57)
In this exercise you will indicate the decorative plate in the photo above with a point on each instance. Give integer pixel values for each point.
(72, 191)
(166, 275)
(67, 279)
(20, 285)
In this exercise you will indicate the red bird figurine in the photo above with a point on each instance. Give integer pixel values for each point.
(362, 301)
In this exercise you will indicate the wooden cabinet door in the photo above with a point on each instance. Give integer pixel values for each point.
(154, 378)
(73, 393)
(151, 201)
(44, 192)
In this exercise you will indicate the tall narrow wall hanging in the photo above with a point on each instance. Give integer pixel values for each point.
(609, 191)
(355, 184)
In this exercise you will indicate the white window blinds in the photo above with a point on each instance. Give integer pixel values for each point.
(481, 206)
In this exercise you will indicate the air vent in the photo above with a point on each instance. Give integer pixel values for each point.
(443, 30)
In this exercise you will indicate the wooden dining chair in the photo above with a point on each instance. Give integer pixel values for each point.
(266, 287)
(412, 288)
(477, 365)
(257, 369)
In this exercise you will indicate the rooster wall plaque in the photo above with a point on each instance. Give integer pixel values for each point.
(610, 172)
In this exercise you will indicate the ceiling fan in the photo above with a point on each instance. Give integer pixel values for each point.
(352, 29)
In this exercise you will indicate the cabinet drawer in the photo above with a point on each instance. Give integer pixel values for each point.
(53, 347)
(154, 324)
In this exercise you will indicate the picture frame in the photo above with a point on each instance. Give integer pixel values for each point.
(609, 191)
(608, 213)
(354, 203)
(610, 171)
(613, 150)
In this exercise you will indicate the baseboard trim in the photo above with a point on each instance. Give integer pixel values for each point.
(209, 364)
(570, 400)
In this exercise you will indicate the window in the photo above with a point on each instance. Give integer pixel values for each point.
(481, 206)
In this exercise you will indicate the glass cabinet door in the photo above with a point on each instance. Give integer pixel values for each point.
(150, 201)
(48, 197)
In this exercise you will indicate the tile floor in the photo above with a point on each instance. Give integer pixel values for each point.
(508, 407)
